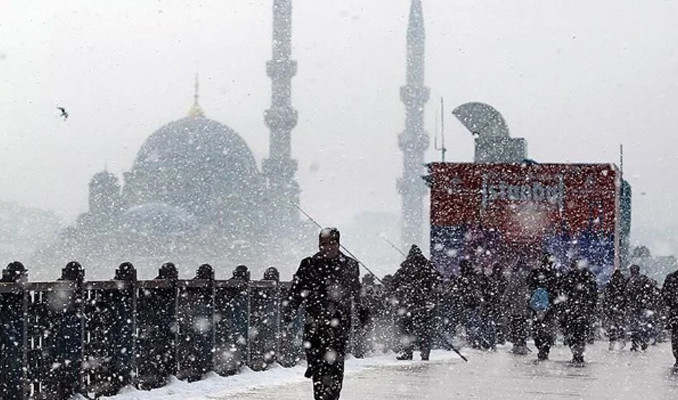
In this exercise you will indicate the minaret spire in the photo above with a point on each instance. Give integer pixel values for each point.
(281, 118)
(413, 141)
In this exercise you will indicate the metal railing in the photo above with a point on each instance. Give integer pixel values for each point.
(93, 338)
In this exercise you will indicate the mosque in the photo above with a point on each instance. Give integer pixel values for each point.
(195, 194)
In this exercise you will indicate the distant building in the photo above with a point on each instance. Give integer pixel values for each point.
(195, 193)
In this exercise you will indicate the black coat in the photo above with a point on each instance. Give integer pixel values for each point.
(415, 285)
(640, 294)
(580, 295)
(670, 297)
(327, 288)
(614, 298)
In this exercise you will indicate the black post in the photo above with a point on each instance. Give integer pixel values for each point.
(13, 337)
(67, 316)
(123, 331)
(157, 323)
(196, 325)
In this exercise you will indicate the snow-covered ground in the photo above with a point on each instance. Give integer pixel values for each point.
(487, 375)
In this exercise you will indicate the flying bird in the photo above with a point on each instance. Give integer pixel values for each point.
(63, 112)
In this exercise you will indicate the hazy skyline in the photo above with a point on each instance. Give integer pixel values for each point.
(575, 79)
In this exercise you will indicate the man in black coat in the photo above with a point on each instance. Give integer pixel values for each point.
(415, 286)
(469, 296)
(614, 308)
(327, 283)
(544, 321)
(578, 305)
(640, 302)
(670, 297)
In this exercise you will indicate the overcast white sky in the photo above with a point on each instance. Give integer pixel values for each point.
(575, 78)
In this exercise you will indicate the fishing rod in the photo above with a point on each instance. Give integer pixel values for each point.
(393, 245)
(340, 245)
(364, 266)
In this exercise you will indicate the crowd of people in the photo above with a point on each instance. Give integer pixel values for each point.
(484, 308)
(417, 309)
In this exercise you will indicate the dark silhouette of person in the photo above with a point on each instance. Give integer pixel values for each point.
(614, 308)
(327, 284)
(469, 296)
(578, 305)
(544, 321)
(670, 297)
(639, 300)
(516, 300)
(415, 285)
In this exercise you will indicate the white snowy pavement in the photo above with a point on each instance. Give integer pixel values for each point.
(500, 375)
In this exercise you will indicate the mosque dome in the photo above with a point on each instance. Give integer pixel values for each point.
(198, 165)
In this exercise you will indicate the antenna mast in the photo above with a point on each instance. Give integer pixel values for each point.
(442, 132)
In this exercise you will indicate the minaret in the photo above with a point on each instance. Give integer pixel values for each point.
(281, 118)
(413, 141)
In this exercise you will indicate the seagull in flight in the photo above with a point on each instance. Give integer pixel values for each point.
(63, 113)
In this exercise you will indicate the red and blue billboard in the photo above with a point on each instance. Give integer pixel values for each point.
(513, 213)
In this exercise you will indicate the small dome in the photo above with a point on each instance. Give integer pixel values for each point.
(158, 220)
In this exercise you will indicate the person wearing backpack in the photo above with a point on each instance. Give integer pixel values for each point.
(543, 288)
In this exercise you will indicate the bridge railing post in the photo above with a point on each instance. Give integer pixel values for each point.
(13, 333)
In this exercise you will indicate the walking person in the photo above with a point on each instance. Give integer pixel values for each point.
(639, 296)
(328, 284)
(670, 296)
(469, 298)
(415, 286)
(614, 309)
(543, 288)
(516, 299)
(578, 305)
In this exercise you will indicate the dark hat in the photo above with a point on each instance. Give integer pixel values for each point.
(415, 251)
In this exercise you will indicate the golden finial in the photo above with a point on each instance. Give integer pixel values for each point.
(196, 111)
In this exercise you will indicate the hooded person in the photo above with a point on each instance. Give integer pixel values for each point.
(414, 287)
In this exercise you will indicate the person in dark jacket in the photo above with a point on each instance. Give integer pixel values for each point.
(516, 299)
(670, 297)
(639, 298)
(415, 285)
(614, 308)
(498, 283)
(544, 321)
(578, 305)
(469, 296)
(328, 284)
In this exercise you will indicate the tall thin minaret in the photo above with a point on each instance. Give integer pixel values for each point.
(414, 140)
(281, 118)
